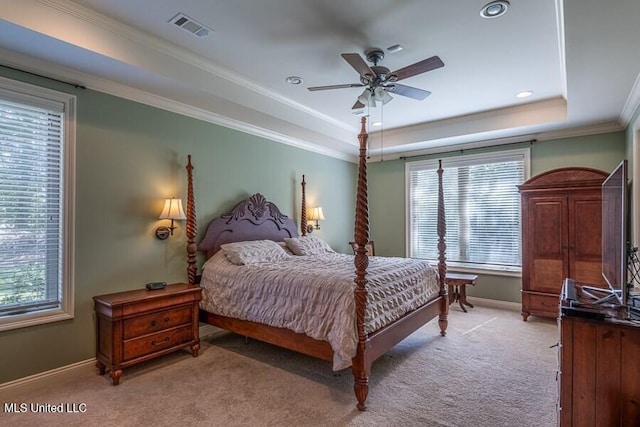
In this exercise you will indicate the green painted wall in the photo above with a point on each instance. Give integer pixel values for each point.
(387, 195)
(129, 158)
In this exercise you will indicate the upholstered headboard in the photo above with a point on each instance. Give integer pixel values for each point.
(255, 218)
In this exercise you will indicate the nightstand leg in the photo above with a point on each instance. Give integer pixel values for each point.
(195, 348)
(101, 367)
(115, 376)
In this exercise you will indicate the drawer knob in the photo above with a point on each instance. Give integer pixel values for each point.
(154, 342)
(165, 320)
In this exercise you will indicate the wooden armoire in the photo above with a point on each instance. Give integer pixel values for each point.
(561, 235)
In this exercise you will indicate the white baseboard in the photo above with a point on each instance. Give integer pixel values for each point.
(493, 303)
(42, 379)
(85, 367)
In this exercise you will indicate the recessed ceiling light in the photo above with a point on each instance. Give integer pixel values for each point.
(395, 48)
(294, 80)
(494, 9)
(524, 94)
(376, 123)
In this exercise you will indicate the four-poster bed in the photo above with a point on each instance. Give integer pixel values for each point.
(257, 220)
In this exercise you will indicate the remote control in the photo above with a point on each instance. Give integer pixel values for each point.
(155, 286)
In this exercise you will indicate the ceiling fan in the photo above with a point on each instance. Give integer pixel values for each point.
(378, 81)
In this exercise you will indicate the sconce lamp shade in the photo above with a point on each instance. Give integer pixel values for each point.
(172, 210)
(315, 215)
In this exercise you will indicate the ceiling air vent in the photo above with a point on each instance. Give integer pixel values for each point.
(188, 24)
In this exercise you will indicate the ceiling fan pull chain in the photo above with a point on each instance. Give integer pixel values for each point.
(382, 133)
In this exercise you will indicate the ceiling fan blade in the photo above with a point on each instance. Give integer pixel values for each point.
(335, 86)
(408, 91)
(358, 105)
(359, 65)
(418, 68)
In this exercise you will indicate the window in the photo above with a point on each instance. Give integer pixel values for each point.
(36, 204)
(482, 207)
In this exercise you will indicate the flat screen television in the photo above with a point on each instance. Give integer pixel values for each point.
(614, 231)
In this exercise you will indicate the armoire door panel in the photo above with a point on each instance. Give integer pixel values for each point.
(585, 239)
(547, 275)
(548, 227)
(588, 272)
(586, 228)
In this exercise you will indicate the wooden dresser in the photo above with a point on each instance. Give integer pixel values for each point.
(138, 325)
(599, 375)
(561, 235)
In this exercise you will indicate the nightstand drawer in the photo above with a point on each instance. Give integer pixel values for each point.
(157, 321)
(156, 342)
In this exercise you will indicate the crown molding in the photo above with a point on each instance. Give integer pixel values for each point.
(118, 29)
(594, 129)
(33, 65)
(632, 104)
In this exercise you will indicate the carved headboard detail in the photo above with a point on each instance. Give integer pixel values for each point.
(254, 218)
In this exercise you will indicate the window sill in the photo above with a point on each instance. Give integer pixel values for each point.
(489, 270)
(31, 319)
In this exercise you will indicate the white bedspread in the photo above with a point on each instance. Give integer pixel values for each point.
(314, 295)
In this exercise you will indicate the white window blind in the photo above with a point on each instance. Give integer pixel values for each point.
(34, 243)
(482, 207)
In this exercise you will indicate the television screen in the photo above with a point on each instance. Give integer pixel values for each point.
(614, 231)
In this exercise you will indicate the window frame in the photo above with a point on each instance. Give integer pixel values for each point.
(523, 154)
(33, 95)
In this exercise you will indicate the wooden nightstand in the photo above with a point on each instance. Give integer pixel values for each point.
(138, 325)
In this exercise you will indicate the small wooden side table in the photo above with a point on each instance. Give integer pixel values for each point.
(457, 288)
(138, 325)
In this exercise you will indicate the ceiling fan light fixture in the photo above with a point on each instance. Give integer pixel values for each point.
(382, 95)
(367, 98)
(494, 9)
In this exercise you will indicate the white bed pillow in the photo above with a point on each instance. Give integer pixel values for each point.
(308, 245)
(284, 246)
(254, 252)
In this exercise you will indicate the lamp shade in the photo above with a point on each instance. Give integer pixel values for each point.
(316, 214)
(367, 98)
(172, 209)
(382, 95)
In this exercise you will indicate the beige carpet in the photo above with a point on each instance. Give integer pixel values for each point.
(491, 370)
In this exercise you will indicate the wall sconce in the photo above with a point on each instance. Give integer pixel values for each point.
(172, 210)
(315, 215)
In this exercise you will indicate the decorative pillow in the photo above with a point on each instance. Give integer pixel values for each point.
(253, 252)
(308, 245)
(284, 246)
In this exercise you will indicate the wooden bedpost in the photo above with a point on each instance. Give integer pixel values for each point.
(303, 210)
(360, 366)
(192, 228)
(442, 266)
